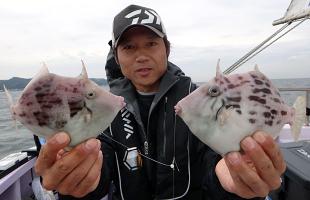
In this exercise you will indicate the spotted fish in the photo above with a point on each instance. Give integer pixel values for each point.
(226, 109)
(51, 103)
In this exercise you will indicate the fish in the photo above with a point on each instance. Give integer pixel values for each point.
(51, 103)
(227, 108)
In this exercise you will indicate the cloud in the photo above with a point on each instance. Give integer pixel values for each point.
(63, 32)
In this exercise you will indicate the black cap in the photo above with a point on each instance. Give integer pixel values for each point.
(134, 15)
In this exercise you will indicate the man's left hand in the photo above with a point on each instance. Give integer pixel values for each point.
(255, 172)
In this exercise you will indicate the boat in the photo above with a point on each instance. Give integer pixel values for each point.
(18, 180)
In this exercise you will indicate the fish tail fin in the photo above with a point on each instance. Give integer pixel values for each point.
(299, 117)
(15, 125)
(9, 96)
(11, 103)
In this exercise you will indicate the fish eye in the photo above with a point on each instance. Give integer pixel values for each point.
(90, 95)
(214, 91)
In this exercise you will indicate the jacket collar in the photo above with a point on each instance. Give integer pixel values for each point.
(123, 87)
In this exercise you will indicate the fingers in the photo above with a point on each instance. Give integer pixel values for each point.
(272, 150)
(247, 183)
(255, 172)
(61, 153)
(49, 152)
(230, 181)
(91, 181)
(64, 166)
(263, 163)
(70, 182)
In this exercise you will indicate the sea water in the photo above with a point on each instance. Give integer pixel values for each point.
(14, 140)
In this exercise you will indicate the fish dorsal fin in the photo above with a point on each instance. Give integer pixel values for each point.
(44, 65)
(43, 71)
(256, 68)
(219, 73)
(83, 74)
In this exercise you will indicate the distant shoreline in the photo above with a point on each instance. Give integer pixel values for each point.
(17, 83)
(279, 81)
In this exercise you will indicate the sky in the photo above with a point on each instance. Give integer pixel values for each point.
(62, 32)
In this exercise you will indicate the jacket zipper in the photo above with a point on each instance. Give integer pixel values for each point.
(146, 144)
(164, 128)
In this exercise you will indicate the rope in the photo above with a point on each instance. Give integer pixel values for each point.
(255, 51)
(156, 161)
(270, 43)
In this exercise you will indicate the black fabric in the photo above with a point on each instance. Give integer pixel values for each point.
(112, 69)
(144, 102)
(37, 143)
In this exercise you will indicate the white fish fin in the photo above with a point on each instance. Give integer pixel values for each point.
(83, 74)
(87, 118)
(256, 68)
(224, 115)
(11, 102)
(15, 125)
(299, 116)
(218, 69)
(43, 71)
(9, 96)
(44, 66)
(87, 115)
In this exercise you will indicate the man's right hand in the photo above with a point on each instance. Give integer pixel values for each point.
(76, 172)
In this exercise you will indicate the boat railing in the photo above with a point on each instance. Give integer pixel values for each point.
(307, 95)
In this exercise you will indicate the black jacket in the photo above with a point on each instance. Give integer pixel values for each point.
(166, 138)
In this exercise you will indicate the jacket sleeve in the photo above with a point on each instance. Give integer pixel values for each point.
(107, 171)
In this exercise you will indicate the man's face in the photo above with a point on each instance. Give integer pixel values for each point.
(143, 58)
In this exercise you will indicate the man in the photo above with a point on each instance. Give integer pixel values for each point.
(148, 152)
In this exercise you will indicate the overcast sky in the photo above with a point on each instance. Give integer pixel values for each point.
(61, 32)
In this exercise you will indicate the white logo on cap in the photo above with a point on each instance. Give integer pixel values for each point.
(150, 13)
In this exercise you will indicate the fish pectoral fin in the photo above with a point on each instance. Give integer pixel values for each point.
(87, 118)
(87, 115)
(224, 115)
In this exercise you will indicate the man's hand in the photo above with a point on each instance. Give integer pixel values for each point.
(254, 173)
(76, 172)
